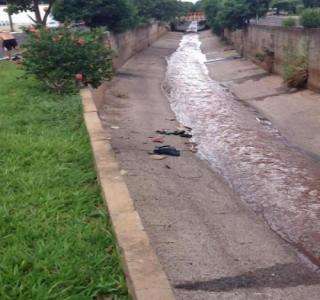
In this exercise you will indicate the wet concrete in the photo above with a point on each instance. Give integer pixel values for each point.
(275, 179)
(197, 224)
(294, 113)
(278, 276)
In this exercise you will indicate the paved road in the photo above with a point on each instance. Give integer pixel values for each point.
(210, 244)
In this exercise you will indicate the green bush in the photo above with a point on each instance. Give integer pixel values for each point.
(62, 57)
(310, 18)
(260, 56)
(289, 22)
(295, 67)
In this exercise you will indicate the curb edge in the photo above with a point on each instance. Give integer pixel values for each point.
(144, 274)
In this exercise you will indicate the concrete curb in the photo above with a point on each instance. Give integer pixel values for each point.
(145, 278)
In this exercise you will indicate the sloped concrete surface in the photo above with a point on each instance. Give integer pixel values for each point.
(294, 113)
(209, 243)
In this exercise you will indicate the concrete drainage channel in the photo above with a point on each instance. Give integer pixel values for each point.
(145, 278)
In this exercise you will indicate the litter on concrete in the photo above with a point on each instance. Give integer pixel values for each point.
(158, 157)
(181, 133)
(167, 150)
(157, 139)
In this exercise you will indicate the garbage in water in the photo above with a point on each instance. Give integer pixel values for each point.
(167, 150)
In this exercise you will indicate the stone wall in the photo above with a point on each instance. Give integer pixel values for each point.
(261, 39)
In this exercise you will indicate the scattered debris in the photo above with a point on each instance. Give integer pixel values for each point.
(167, 150)
(193, 148)
(186, 135)
(119, 94)
(158, 139)
(263, 121)
(123, 172)
(181, 133)
(168, 167)
(115, 127)
(158, 157)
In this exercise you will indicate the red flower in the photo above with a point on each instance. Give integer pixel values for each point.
(81, 41)
(79, 77)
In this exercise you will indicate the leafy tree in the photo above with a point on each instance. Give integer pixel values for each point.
(233, 14)
(61, 57)
(186, 7)
(16, 6)
(311, 3)
(289, 6)
(166, 10)
(310, 18)
(145, 9)
(212, 9)
(117, 15)
(198, 6)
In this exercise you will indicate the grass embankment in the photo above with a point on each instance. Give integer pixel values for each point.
(55, 239)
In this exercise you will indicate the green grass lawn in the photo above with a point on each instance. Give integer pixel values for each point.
(55, 237)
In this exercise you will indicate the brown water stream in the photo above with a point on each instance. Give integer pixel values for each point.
(274, 178)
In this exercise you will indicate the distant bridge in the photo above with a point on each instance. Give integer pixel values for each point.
(195, 16)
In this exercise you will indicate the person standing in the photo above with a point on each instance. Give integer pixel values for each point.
(9, 42)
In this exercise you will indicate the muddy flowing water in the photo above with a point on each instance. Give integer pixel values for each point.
(275, 179)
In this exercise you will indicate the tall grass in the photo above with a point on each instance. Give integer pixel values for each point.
(55, 237)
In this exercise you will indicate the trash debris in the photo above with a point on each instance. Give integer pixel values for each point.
(157, 157)
(194, 149)
(186, 135)
(120, 94)
(114, 127)
(163, 131)
(158, 139)
(123, 172)
(167, 150)
(181, 133)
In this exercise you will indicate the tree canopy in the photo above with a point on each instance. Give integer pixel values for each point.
(289, 6)
(118, 15)
(16, 6)
(311, 3)
(233, 14)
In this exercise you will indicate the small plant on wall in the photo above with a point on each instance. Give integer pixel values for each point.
(289, 22)
(61, 58)
(295, 67)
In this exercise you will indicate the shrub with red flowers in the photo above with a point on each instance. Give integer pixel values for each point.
(62, 58)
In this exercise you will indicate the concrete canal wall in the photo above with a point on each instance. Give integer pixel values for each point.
(126, 45)
(275, 41)
(131, 42)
